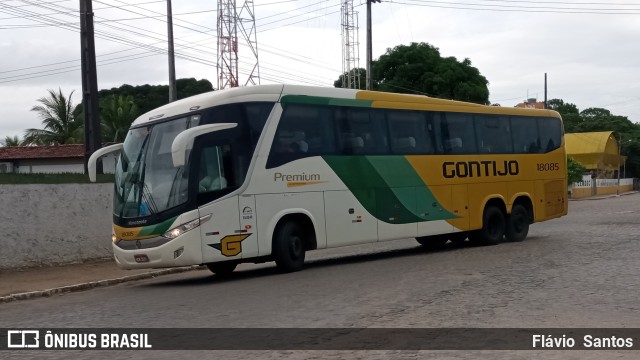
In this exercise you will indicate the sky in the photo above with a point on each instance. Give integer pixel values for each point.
(589, 49)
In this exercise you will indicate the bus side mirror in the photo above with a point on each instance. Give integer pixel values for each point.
(184, 140)
(93, 159)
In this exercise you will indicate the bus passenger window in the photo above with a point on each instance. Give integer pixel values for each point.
(298, 143)
(550, 133)
(410, 132)
(493, 134)
(303, 131)
(212, 174)
(524, 132)
(458, 135)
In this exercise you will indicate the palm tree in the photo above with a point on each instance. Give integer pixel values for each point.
(11, 141)
(117, 114)
(60, 125)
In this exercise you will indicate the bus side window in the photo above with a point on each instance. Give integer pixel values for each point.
(359, 131)
(524, 133)
(550, 133)
(303, 131)
(493, 134)
(212, 169)
(409, 132)
(458, 135)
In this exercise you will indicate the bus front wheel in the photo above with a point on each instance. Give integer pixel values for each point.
(493, 227)
(289, 247)
(517, 223)
(224, 268)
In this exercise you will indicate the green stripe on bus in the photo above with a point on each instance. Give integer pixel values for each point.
(319, 100)
(409, 188)
(388, 188)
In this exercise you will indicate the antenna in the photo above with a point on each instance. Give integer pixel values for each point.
(230, 21)
(350, 46)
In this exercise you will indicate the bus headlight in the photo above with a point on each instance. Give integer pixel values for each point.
(181, 229)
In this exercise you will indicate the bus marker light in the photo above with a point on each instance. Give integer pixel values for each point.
(141, 258)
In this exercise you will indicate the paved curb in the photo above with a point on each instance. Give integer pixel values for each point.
(604, 196)
(93, 284)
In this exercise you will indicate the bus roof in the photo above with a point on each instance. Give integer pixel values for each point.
(373, 98)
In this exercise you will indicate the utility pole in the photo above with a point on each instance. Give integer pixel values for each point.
(545, 91)
(92, 139)
(173, 94)
(369, 46)
(619, 158)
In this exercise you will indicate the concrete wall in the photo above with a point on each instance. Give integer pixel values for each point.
(581, 192)
(54, 224)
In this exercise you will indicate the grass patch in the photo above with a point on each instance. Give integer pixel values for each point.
(62, 178)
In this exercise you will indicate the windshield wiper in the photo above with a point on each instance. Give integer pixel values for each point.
(148, 198)
(136, 176)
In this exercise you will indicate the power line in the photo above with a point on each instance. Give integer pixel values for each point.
(56, 22)
(74, 11)
(513, 8)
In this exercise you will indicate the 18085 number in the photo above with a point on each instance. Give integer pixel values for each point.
(548, 167)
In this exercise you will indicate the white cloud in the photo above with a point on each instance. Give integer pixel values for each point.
(591, 60)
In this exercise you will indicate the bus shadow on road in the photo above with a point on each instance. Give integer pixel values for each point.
(272, 270)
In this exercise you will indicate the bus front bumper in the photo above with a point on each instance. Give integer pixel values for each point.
(182, 251)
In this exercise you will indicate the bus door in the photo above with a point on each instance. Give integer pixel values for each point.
(248, 224)
(221, 235)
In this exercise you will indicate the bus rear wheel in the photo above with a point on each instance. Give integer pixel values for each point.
(432, 242)
(517, 223)
(289, 247)
(493, 227)
(224, 268)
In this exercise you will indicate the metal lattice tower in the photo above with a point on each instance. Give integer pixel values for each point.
(232, 20)
(350, 46)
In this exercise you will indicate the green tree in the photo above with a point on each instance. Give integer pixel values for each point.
(599, 119)
(60, 124)
(117, 113)
(11, 141)
(149, 97)
(575, 170)
(419, 68)
(570, 114)
(361, 75)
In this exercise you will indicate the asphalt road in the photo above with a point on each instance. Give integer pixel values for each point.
(578, 271)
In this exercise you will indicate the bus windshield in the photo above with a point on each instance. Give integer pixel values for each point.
(146, 182)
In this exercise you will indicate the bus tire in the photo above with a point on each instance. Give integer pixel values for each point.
(432, 242)
(289, 247)
(223, 268)
(493, 227)
(517, 223)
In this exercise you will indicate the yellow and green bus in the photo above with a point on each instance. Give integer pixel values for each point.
(267, 173)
